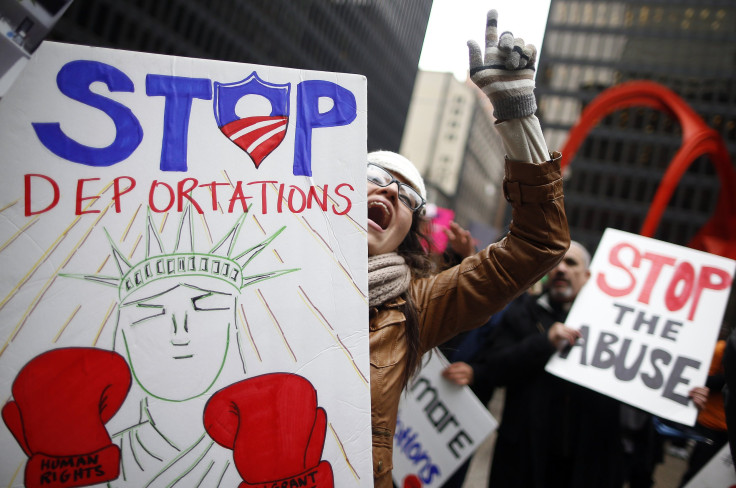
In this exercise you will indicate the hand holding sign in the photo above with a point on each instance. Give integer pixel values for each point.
(459, 373)
(699, 396)
(649, 316)
(562, 336)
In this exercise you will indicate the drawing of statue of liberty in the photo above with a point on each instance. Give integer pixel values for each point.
(176, 328)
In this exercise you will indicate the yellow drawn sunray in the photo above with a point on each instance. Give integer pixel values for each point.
(207, 227)
(48, 252)
(344, 454)
(163, 223)
(314, 232)
(17, 470)
(247, 330)
(322, 243)
(17, 234)
(328, 328)
(107, 317)
(135, 246)
(9, 205)
(255, 219)
(360, 227)
(63, 328)
(218, 203)
(130, 224)
(227, 177)
(48, 283)
(37, 264)
(276, 323)
(103, 263)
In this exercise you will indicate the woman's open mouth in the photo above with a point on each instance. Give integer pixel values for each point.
(379, 213)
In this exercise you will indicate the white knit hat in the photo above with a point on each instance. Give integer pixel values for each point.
(396, 163)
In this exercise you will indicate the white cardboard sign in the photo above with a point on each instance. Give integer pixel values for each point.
(718, 473)
(183, 296)
(440, 426)
(650, 315)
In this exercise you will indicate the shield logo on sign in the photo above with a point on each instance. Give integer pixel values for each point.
(257, 135)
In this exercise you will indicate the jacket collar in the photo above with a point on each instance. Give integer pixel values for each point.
(387, 314)
(543, 301)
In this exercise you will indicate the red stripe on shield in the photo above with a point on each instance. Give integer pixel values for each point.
(257, 136)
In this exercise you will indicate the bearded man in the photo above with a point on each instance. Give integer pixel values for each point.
(553, 433)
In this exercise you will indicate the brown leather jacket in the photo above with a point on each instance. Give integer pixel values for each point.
(464, 297)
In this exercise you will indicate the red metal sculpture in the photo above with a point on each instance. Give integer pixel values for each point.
(718, 235)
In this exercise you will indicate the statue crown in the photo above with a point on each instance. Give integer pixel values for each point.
(220, 262)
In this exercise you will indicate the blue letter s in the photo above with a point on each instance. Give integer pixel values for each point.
(73, 80)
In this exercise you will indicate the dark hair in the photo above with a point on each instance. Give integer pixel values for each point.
(414, 251)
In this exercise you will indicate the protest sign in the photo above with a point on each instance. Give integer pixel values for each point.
(184, 287)
(718, 473)
(440, 425)
(650, 315)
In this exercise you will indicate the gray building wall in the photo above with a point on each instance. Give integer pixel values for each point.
(451, 139)
(379, 39)
(687, 45)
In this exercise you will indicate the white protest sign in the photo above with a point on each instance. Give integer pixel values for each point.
(718, 473)
(440, 425)
(184, 288)
(650, 315)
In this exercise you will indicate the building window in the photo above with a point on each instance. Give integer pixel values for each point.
(559, 12)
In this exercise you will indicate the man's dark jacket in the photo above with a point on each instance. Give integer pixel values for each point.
(553, 432)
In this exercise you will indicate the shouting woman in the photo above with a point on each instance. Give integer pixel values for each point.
(413, 310)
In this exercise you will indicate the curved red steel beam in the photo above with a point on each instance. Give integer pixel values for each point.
(719, 234)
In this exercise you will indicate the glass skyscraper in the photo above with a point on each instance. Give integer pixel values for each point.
(687, 46)
(379, 39)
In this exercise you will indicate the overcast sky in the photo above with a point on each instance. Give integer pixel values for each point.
(453, 22)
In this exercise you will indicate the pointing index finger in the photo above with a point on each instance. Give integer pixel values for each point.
(491, 28)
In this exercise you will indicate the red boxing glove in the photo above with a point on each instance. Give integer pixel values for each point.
(275, 429)
(62, 400)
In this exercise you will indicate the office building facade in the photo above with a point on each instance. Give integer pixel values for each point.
(451, 139)
(379, 39)
(687, 46)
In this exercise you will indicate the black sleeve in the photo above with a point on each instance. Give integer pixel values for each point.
(716, 382)
(729, 366)
(517, 349)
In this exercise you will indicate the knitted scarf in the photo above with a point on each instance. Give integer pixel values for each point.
(388, 277)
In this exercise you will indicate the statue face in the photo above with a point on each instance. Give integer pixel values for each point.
(176, 337)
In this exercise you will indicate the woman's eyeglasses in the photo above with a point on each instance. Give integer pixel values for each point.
(408, 195)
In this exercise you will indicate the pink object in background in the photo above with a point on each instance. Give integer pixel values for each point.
(440, 220)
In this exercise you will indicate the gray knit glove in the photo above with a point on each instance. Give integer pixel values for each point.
(506, 75)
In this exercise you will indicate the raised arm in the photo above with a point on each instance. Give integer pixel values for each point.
(463, 297)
